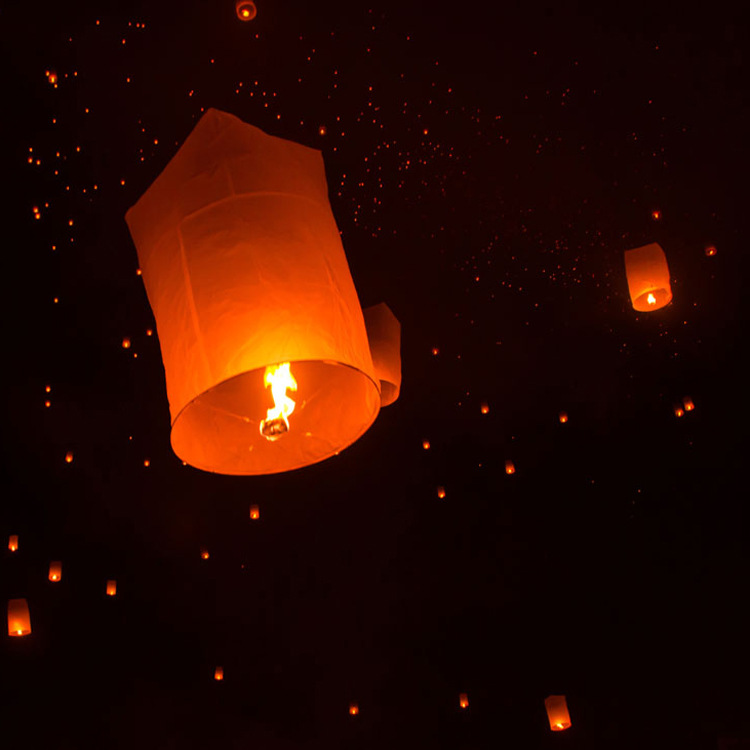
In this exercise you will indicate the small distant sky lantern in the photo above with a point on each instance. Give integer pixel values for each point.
(111, 588)
(13, 542)
(254, 512)
(219, 673)
(678, 410)
(441, 492)
(55, 570)
(246, 10)
(710, 250)
(485, 408)
(557, 712)
(426, 444)
(563, 417)
(353, 709)
(69, 457)
(204, 554)
(19, 621)
(687, 402)
(265, 347)
(463, 700)
(648, 277)
(510, 467)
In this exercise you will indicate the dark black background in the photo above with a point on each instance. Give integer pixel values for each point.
(611, 567)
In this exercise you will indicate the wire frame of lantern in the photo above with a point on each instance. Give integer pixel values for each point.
(557, 712)
(648, 277)
(265, 349)
(55, 570)
(19, 620)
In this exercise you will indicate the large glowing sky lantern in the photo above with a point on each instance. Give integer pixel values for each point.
(266, 352)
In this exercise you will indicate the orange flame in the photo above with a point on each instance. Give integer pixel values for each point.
(651, 299)
(280, 378)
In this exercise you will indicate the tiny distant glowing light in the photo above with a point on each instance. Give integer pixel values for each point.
(126, 343)
(435, 351)
(219, 673)
(648, 277)
(710, 250)
(679, 411)
(463, 700)
(485, 408)
(48, 388)
(146, 463)
(510, 467)
(557, 712)
(69, 457)
(111, 588)
(687, 402)
(246, 10)
(656, 215)
(353, 709)
(149, 332)
(322, 130)
(441, 492)
(19, 620)
(52, 77)
(426, 444)
(13, 542)
(55, 570)
(204, 553)
(563, 417)
(254, 512)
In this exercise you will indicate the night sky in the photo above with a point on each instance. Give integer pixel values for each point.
(488, 165)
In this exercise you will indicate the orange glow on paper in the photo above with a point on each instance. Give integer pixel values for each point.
(219, 673)
(246, 10)
(463, 700)
(648, 277)
(243, 274)
(384, 335)
(353, 709)
(510, 467)
(254, 512)
(111, 588)
(19, 620)
(13, 542)
(557, 712)
(687, 402)
(55, 570)
(280, 379)
(441, 492)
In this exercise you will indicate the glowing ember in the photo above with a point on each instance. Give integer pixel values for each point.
(651, 299)
(276, 423)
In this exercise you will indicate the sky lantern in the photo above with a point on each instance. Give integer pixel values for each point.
(111, 588)
(219, 673)
(648, 277)
(510, 467)
(687, 402)
(204, 554)
(441, 492)
(13, 542)
(69, 457)
(463, 700)
(678, 410)
(557, 712)
(245, 9)
(267, 359)
(563, 417)
(353, 709)
(485, 408)
(710, 250)
(55, 570)
(254, 512)
(19, 621)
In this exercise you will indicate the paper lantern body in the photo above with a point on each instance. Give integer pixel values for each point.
(219, 673)
(384, 335)
(13, 542)
(353, 709)
(557, 712)
(55, 570)
(648, 277)
(463, 700)
(244, 269)
(19, 621)
(111, 588)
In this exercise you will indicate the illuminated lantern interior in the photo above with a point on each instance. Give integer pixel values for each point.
(384, 335)
(55, 570)
(246, 10)
(648, 277)
(463, 700)
(19, 621)
(254, 512)
(219, 673)
(353, 709)
(246, 275)
(111, 588)
(557, 712)
(13, 542)
(510, 467)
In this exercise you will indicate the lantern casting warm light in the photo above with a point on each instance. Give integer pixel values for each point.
(441, 492)
(510, 467)
(69, 457)
(219, 673)
(563, 417)
(245, 272)
(204, 554)
(245, 9)
(280, 379)
(426, 444)
(19, 621)
(485, 408)
(353, 709)
(463, 700)
(648, 277)
(254, 512)
(710, 250)
(112, 588)
(13, 542)
(679, 411)
(557, 712)
(687, 402)
(55, 570)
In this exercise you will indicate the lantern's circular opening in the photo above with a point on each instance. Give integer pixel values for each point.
(246, 10)
(220, 430)
(652, 299)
